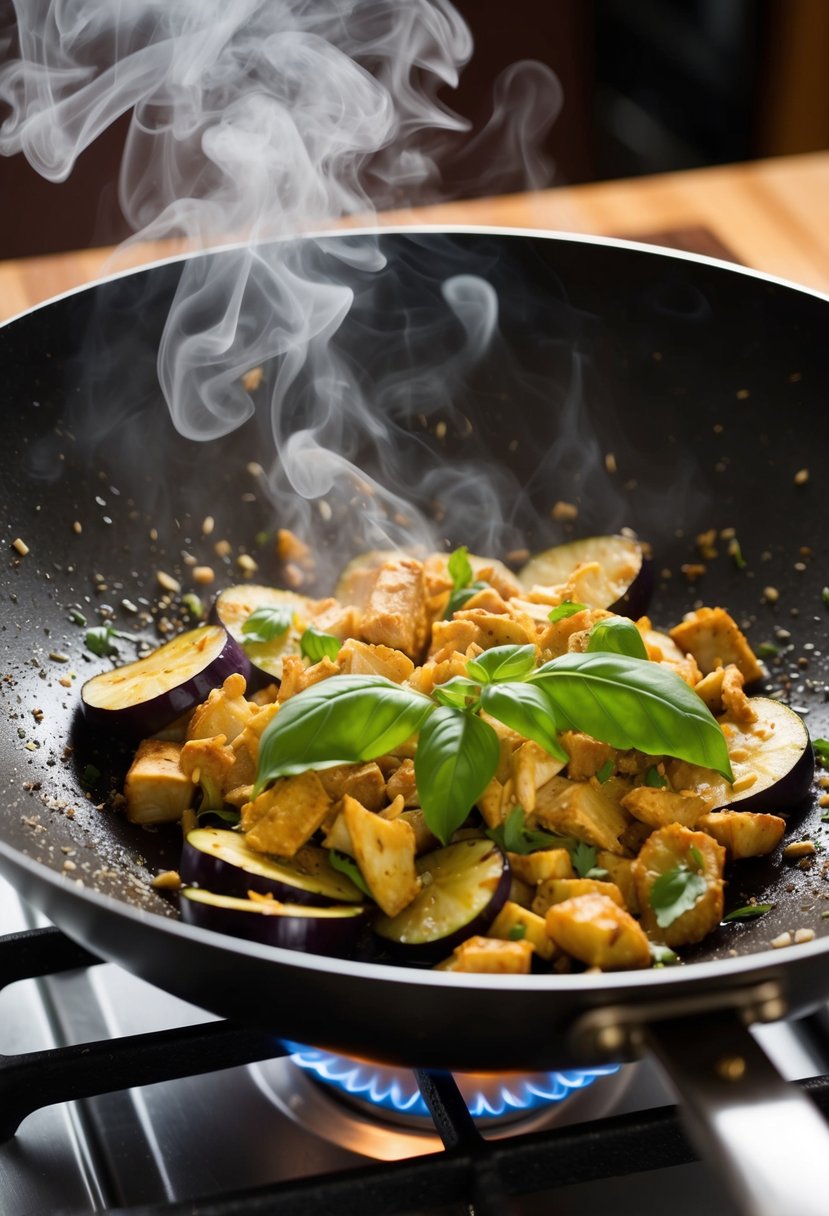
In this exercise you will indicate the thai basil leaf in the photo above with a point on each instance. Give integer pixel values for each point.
(456, 758)
(459, 693)
(631, 704)
(98, 639)
(525, 709)
(565, 609)
(460, 568)
(266, 624)
(674, 893)
(619, 636)
(460, 596)
(315, 644)
(502, 663)
(348, 866)
(748, 912)
(514, 836)
(343, 720)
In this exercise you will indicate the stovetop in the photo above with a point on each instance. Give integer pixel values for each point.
(231, 1141)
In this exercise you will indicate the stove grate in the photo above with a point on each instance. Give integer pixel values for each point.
(482, 1175)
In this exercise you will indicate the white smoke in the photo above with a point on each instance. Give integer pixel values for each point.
(252, 120)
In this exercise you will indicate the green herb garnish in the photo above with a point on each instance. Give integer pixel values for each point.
(605, 772)
(462, 575)
(654, 779)
(749, 912)
(513, 836)
(76, 616)
(232, 818)
(821, 749)
(674, 893)
(619, 636)
(315, 644)
(768, 650)
(98, 639)
(193, 604)
(501, 663)
(663, 956)
(517, 933)
(564, 609)
(348, 866)
(266, 624)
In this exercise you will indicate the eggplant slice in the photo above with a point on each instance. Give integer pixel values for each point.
(623, 584)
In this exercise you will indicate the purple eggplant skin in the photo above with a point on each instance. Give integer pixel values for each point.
(426, 952)
(794, 784)
(218, 860)
(140, 719)
(335, 931)
(636, 600)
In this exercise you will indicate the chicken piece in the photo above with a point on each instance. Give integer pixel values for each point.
(659, 807)
(207, 762)
(534, 868)
(521, 892)
(744, 833)
(385, 852)
(709, 689)
(155, 788)
(554, 637)
(296, 676)
(498, 629)
(515, 923)
(395, 614)
(556, 890)
(590, 812)
(330, 616)
(285, 817)
(246, 748)
(494, 803)
(488, 599)
(435, 671)
(361, 659)
(595, 930)
(449, 637)
(620, 870)
(587, 755)
(402, 781)
(337, 835)
(735, 702)
(532, 767)
(715, 640)
(676, 848)
(491, 956)
(225, 712)
(500, 578)
(365, 782)
(425, 841)
(663, 649)
(703, 783)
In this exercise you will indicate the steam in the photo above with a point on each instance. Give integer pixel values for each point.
(253, 121)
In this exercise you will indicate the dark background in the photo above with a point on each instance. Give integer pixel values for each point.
(649, 86)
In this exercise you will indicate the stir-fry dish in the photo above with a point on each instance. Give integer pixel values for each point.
(453, 765)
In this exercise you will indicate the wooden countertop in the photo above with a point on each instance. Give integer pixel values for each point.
(770, 215)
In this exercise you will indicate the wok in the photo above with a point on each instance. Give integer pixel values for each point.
(709, 386)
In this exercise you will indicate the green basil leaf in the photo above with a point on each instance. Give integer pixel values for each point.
(663, 956)
(525, 709)
(674, 893)
(458, 692)
(583, 857)
(460, 596)
(98, 639)
(460, 568)
(654, 778)
(605, 772)
(565, 609)
(265, 624)
(749, 912)
(341, 720)
(513, 836)
(456, 758)
(348, 866)
(194, 606)
(619, 636)
(226, 815)
(631, 704)
(502, 663)
(315, 644)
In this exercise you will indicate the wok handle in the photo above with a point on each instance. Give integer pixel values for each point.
(768, 1143)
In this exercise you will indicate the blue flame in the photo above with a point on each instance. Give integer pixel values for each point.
(396, 1090)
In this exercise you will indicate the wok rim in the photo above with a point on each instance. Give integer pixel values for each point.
(552, 234)
(625, 984)
(669, 980)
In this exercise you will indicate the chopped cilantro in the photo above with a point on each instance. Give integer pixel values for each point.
(748, 912)
(98, 639)
(768, 650)
(515, 837)
(518, 932)
(674, 893)
(821, 747)
(605, 772)
(654, 778)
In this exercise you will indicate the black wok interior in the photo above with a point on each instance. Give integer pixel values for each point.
(708, 386)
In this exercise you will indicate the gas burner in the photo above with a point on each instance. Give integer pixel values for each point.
(379, 1112)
